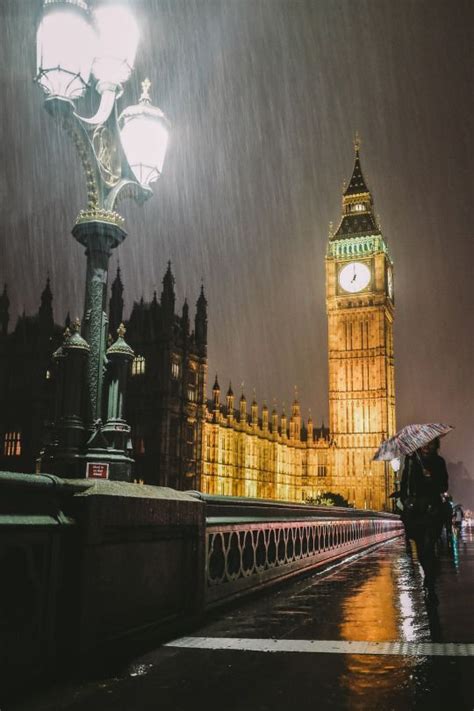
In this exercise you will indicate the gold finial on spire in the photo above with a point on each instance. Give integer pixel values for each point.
(331, 228)
(357, 142)
(76, 325)
(121, 331)
(66, 333)
(145, 90)
(296, 393)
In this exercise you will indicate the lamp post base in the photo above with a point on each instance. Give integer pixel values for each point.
(62, 463)
(107, 464)
(95, 463)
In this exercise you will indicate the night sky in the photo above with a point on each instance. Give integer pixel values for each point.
(264, 97)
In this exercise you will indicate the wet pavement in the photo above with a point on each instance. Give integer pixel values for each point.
(356, 636)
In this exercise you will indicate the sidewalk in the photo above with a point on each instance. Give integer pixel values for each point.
(357, 636)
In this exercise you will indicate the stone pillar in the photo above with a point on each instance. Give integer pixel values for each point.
(117, 430)
(63, 456)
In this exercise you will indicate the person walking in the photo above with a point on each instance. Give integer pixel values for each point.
(424, 480)
(458, 516)
(447, 511)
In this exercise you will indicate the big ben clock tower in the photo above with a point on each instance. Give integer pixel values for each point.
(360, 308)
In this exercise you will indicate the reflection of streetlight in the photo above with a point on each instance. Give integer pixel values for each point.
(121, 157)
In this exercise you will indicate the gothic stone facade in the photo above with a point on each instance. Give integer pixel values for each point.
(26, 387)
(181, 440)
(167, 388)
(262, 456)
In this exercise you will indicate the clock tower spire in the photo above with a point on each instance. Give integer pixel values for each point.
(360, 309)
(357, 205)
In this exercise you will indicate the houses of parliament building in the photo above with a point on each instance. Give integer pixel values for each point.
(227, 445)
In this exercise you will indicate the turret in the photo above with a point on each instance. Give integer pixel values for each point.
(45, 312)
(230, 403)
(296, 417)
(200, 323)
(216, 398)
(168, 299)
(154, 313)
(284, 425)
(243, 409)
(265, 418)
(254, 412)
(310, 427)
(185, 319)
(274, 421)
(116, 303)
(4, 312)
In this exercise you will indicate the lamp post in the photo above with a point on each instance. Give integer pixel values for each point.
(79, 52)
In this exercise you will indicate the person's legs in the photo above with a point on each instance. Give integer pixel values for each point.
(425, 546)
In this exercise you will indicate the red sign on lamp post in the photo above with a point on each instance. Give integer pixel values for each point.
(97, 470)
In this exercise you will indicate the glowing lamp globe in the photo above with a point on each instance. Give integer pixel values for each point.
(65, 43)
(118, 36)
(144, 131)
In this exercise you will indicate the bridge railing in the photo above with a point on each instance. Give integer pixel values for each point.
(89, 567)
(253, 543)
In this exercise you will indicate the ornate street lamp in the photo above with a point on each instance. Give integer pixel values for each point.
(78, 52)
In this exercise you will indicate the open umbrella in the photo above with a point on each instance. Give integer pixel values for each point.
(409, 439)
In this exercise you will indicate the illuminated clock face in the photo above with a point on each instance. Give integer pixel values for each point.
(354, 277)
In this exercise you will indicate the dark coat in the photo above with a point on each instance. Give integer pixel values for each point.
(416, 483)
(420, 494)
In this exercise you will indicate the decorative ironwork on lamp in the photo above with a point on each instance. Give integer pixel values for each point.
(73, 46)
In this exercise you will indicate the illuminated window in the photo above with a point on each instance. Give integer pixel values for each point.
(322, 470)
(358, 207)
(138, 365)
(48, 375)
(191, 395)
(12, 444)
(175, 370)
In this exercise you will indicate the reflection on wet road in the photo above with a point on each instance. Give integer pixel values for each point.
(233, 661)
